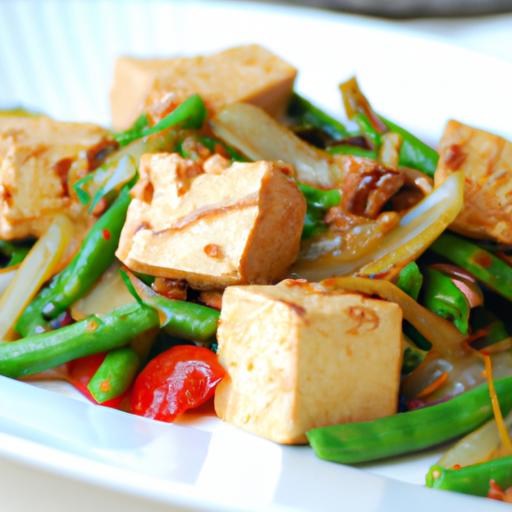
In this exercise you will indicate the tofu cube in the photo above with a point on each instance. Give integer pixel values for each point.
(486, 160)
(298, 357)
(240, 226)
(36, 154)
(248, 73)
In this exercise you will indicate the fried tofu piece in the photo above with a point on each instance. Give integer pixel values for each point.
(248, 73)
(36, 154)
(298, 357)
(486, 160)
(240, 226)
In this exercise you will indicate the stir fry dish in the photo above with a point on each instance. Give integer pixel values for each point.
(337, 283)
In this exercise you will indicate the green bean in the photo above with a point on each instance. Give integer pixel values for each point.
(416, 337)
(409, 431)
(412, 359)
(442, 297)
(366, 127)
(487, 268)
(101, 333)
(347, 149)
(133, 132)
(413, 152)
(189, 114)
(495, 329)
(318, 202)
(14, 253)
(305, 113)
(115, 374)
(188, 320)
(94, 257)
(410, 280)
(98, 333)
(185, 319)
(474, 479)
(319, 198)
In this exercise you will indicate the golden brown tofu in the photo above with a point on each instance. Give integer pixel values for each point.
(36, 154)
(298, 357)
(242, 225)
(486, 160)
(248, 73)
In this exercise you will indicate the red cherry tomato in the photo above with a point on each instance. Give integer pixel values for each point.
(178, 379)
(81, 371)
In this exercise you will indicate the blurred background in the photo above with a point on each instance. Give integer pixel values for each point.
(480, 25)
(412, 8)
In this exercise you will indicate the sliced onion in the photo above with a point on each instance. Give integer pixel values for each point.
(260, 137)
(417, 230)
(37, 267)
(389, 152)
(6, 276)
(123, 173)
(465, 371)
(108, 293)
(478, 446)
(443, 335)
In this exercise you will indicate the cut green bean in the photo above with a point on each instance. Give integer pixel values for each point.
(410, 280)
(115, 374)
(318, 202)
(409, 431)
(101, 333)
(94, 257)
(473, 479)
(485, 266)
(442, 297)
(416, 337)
(98, 333)
(13, 253)
(412, 359)
(186, 319)
(303, 112)
(366, 128)
(347, 149)
(413, 152)
(133, 132)
(494, 328)
(190, 114)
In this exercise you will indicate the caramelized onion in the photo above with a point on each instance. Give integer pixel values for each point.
(417, 230)
(442, 334)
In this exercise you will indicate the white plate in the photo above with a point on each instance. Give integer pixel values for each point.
(57, 57)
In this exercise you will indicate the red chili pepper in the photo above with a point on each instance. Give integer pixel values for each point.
(178, 379)
(81, 371)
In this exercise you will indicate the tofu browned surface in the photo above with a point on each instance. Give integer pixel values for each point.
(242, 225)
(248, 73)
(486, 160)
(298, 357)
(36, 154)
